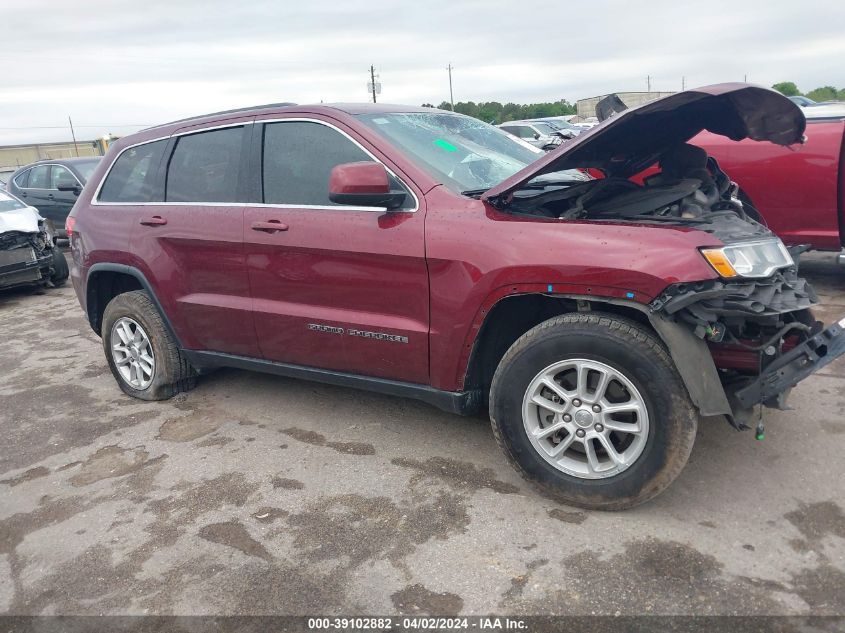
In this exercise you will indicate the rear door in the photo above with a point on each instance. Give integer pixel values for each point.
(336, 287)
(191, 239)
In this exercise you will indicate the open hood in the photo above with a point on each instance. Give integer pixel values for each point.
(632, 140)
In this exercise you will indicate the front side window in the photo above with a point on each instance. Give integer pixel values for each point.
(39, 177)
(132, 177)
(61, 176)
(298, 159)
(204, 167)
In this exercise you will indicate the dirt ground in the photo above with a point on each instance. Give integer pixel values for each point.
(255, 494)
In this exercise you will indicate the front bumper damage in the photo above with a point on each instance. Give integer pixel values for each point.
(24, 259)
(744, 343)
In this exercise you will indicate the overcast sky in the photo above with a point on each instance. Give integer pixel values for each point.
(117, 65)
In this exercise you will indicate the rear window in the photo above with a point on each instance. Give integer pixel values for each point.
(204, 167)
(132, 177)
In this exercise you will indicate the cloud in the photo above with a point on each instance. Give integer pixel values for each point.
(114, 64)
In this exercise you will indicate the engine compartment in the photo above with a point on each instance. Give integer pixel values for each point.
(690, 189)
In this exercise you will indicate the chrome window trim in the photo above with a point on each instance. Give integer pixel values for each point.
(65, 167)
(95, 201)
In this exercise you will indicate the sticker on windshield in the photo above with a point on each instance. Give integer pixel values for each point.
(381, 121)
(445, 145)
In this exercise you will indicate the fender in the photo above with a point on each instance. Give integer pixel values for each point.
(690, 354)
(145, 284)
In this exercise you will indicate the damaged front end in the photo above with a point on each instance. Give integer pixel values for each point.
(26, 245)
(760, 334)
(742, 339)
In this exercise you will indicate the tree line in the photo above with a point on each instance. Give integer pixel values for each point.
(824, 93)
(495, 112)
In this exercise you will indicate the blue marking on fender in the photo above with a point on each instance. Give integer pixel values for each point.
(550, 287)
(630, 295)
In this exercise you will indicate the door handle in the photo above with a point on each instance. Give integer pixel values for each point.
(271, 226)
(156, 220)
(50, 196)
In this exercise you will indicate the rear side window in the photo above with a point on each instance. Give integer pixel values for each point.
(132, 177)
(204, 167)
(298, 159)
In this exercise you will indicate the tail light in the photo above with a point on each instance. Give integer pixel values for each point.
(69, 224)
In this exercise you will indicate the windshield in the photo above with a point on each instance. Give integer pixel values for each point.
(86, 168)
(8, 203)
(463, 153)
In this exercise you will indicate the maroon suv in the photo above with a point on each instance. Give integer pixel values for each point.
(426, 254)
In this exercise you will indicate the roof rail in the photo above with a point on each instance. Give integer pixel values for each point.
(247, 109)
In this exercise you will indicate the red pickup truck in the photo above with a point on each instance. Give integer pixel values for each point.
(426, 254)
(799, 190)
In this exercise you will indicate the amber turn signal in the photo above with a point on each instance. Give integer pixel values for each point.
(719, 261)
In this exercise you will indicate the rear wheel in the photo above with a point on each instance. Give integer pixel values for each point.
(142, 355)
(591, 409)
(60, 268)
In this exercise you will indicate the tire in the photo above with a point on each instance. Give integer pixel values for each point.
(60, 268)
(171, 373)
(593, 343)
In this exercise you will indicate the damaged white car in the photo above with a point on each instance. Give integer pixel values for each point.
(28, 254)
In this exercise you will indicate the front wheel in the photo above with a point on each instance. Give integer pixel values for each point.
(591, 409)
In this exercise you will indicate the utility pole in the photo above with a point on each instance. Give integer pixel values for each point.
(451, 96)
(73, 135)
(745, 79)
(648, 82)
(683, 83)
(373, 79)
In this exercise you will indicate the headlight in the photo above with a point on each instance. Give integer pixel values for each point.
(749, 259)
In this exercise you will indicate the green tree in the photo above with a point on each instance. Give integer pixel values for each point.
(825, 93)
(787, 88)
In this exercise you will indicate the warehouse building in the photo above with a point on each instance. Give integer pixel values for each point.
(14, 156)
(587, 107)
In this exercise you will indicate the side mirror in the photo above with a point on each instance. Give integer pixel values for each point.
(364, 184)
(69, 186)
(536, 136)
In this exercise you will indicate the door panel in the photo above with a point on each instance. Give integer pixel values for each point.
(192, 242)
(342, 288)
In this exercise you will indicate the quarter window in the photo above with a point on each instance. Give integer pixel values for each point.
(21, 179)
(204, 167)
(132, 177)
(298, 160)
(38, 177)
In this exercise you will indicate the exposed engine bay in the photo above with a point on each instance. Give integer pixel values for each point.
(690, 188)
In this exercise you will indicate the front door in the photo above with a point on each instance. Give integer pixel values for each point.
(335, 287)
(61, 201)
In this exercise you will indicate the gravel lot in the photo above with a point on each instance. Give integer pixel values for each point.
(258, 494)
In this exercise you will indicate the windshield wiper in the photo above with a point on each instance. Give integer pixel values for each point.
(473, 193)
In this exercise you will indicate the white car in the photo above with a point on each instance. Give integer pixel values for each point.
(28, 253)
(536, 133)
